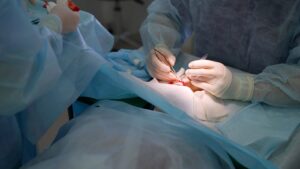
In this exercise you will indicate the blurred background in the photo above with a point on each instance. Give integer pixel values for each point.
(121, 17)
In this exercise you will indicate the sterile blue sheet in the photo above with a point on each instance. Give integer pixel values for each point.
(63, 66)
(120, 77)
(75, 139)
(42, 73)
(259, 127)
(116, 135)
(79, 60)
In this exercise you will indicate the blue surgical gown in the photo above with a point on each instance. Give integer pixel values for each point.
(42, 72)
(259, 37)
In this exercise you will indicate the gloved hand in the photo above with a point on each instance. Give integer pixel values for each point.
(157, 66)
(185, 80)
(68, 18)
(218, 80)
(207, 107)
(200, 105)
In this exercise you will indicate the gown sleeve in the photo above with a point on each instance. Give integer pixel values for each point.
(279, 85)
(164, 25)
(28, 62)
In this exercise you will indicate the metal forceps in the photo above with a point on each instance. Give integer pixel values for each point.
(164, 60)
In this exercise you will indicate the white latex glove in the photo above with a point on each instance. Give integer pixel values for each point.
(68, 18)
(207, 107)
(185, 80)
(218, 80)
(200, 105)
(157, 66)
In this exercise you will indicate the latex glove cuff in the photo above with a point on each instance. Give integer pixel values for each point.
(240, 88)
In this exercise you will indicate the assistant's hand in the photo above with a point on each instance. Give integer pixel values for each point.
(69, 19)
(157, 66)
(221, 82)
(210, 76)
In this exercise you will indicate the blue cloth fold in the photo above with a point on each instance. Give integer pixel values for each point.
(43, 72)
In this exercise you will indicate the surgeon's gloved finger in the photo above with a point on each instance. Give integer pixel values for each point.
(159, 64)
(164, 76)
(167, 77)
(202, 85)
(185, 79)
(208, 68)
(151, 70)
(200, 75)
(201, 79)
(202, 64)
(197, 74)
(159, 69)
(156, 73)
(168, 54)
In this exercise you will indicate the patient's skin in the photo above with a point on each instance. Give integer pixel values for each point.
(187, 84)
(197, 103)
(183, 81)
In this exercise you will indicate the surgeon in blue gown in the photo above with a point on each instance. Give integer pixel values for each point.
(253, 52)
(260, 38)
(43, 81)
(46, 61)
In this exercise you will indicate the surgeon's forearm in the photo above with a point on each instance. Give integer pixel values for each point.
(269, 94)
(159, 29)
(162, 26)
(278, 85)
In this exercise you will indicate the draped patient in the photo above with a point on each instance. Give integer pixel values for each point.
(197, 103)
